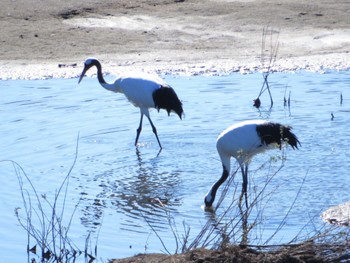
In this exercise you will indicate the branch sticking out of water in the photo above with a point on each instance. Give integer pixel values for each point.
(341, 98)
(267, 59)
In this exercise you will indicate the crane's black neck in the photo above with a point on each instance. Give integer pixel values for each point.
(212, 193)
(221, 180)
(99, 72)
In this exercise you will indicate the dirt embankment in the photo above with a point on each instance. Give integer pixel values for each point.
(169, 35)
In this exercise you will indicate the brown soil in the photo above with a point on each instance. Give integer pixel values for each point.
(172, 35)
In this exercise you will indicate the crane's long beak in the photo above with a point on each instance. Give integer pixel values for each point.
(82, 74)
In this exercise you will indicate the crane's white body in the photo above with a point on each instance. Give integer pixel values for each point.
(240, 141)
(138, 89)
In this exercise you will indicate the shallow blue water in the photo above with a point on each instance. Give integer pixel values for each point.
(118, 187)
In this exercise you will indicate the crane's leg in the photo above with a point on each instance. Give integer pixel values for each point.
(154, 130)
(138, 131)
(245, 181)
(244, 169)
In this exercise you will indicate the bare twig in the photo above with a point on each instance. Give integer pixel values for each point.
(47, 230)
(267, 59)
(156, 232)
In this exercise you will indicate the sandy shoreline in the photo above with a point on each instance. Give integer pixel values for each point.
(30, 70)
(178, 37)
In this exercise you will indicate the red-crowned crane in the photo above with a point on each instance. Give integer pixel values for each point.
(143, 91)
(244, 140)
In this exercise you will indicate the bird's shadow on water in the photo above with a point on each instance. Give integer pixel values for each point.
(141, 190)
(228, 226)
(139, 154)
(152, 194)
(224, 224)
(151, 184)
(233, 222)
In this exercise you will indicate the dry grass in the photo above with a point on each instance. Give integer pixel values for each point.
(307, 251)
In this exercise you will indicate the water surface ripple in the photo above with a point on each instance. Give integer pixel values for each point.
(122, 191)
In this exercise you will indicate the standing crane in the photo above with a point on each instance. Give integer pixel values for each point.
(143, 91)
